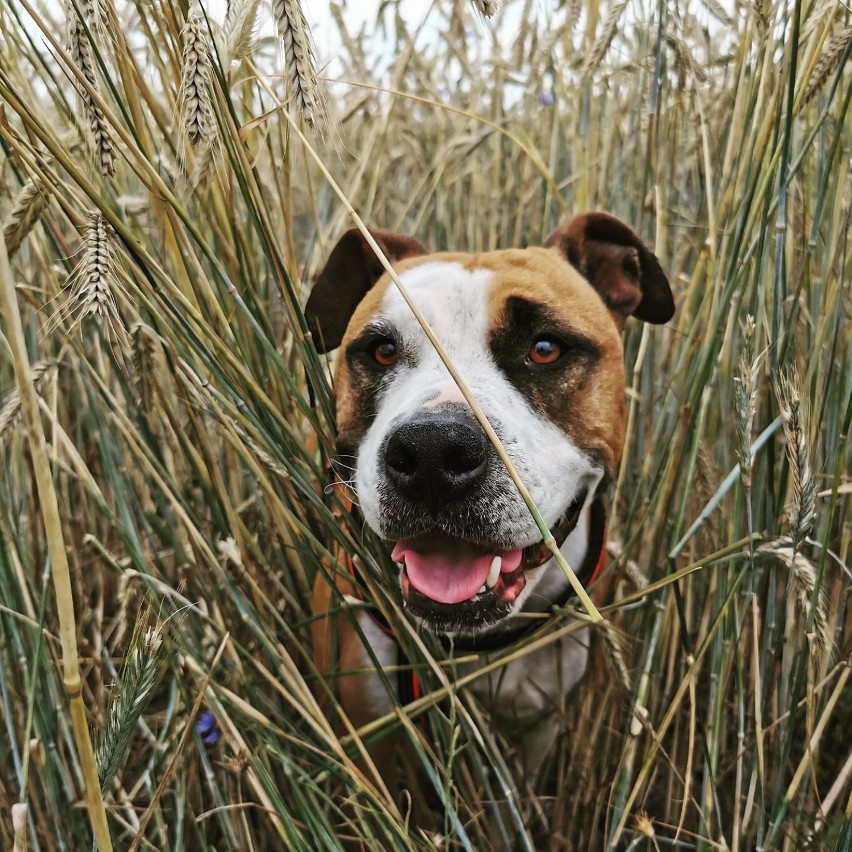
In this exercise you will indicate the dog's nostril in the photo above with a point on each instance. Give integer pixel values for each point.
(401, 458)
(463, 459)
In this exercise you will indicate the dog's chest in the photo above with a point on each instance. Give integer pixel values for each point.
(522, 692)
(534, 685)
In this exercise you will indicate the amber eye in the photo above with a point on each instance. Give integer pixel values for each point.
(545, 350)
(384, 353)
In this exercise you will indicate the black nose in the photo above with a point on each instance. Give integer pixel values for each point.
(436, 456)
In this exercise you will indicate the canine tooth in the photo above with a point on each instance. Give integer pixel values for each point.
(494, 571)
(482, 590)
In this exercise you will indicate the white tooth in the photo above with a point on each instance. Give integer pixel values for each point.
(494, 572)
(482, 590)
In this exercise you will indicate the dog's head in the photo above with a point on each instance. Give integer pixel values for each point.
(536, 335)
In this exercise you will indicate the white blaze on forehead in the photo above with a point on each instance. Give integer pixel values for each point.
(454, 301)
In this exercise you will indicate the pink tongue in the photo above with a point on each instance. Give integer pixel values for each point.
(450, 577)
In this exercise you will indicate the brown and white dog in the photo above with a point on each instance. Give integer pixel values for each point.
(536, 334)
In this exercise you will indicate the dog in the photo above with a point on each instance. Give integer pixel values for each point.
(536, 334)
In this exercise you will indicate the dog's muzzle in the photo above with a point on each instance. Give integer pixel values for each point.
(439, 470)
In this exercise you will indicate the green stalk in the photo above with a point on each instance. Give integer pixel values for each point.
(56, 546)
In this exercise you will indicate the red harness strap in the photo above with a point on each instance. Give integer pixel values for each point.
(408, 685)
(600, 564)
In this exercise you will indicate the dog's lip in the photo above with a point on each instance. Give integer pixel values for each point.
(502, 587)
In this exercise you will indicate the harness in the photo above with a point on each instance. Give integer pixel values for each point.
(407, 682)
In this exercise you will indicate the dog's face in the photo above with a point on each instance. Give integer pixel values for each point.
(539, 345)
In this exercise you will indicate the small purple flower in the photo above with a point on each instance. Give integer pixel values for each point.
(207, 728)
(546, 98)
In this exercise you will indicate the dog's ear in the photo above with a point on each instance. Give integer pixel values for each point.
(352, 269)
(617, 264)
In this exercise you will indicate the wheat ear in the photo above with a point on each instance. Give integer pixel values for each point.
(303, 87)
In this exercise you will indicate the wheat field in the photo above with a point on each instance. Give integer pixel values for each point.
(172, 176)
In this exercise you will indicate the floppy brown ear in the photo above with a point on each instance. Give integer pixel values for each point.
(352, 269)
(617, 264)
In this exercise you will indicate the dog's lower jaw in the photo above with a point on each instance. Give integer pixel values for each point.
(537, 590)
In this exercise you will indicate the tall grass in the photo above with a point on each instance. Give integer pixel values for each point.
(163, 221)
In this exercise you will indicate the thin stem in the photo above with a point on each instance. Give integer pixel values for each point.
(56, 547)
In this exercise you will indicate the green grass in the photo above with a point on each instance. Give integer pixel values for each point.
(189, 421)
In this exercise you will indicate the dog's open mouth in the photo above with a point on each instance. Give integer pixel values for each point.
(443, 575)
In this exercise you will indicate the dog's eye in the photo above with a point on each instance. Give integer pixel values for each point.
(545, 350)
(384, 352)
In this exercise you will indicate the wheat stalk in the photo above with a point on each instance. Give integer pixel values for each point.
(25, 213)
(12, 406)
(239, 29)
(718, 11)
(96, 13)
(829, 60)
(685, 62)
(486, 8)
(61, 574)
(613, 646)
(745, 394)
(144, 343)
(804, 574)
(303, 87)
(803, 508)
(80, 50)
(196, 118)
(93, 283)
(140, 678)
(762, 13)
(603, 41)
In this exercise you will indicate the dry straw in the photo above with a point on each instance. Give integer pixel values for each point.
(14, 332)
